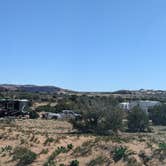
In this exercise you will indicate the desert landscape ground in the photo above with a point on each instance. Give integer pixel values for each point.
(55, 142)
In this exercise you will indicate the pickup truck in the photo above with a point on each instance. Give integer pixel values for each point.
(65, 114)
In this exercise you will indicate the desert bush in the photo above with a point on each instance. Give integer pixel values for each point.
(100, 160)
(99, 117)
(22, 141)
(62, 149)
(62, 165)
(145, 158)
(110, 122)
(158, 114)
(62, 105)
(44, 151)
(74, 163)
(114, 138)
(131, 161)
(160, 152)
(46, 108)
(84, 149)
(138, 120)
(50, 161)
(33, 114)
(70, 146)
(24, 156)
(49, 140)
(119, 153)
(7, 148)
(162, 146)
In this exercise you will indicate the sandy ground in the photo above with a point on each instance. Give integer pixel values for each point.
(34, 134)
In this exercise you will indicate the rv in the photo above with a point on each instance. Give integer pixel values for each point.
(13, 107)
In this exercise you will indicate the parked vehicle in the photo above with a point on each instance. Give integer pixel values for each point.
(69, 114)
(50, 115)
(65, 114)
(13, 107)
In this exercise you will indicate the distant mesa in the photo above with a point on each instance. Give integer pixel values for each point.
(150, 94)
(32, 88)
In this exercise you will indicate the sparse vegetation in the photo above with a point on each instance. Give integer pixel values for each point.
(158, 115)
(59, 150)
(99, 117)
(7, 148)
(33, 114)
(119, 152)
(74, 163)
(49, 140)
(44, 151)
(42, 136)
(24, 156)
(84, 149)
(70, 146)
(162, 146)
(103, 148)
(100, 160)
(138, 120)
(145, 158)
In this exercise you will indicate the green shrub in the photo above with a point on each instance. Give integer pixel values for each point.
(110, 122)
(131, 161)
(44, 151)
(61, 164)
(49, 140)
(24, 156)
(145, 158)
(62, 149)
(50, 161)
(7, 148)
(162, 146)
(99, 161)
(55, 109)
(138, 120)
(160, 153)
(46, 108)
(84, 149)
(74, 163)
(158, 115)
(33, 115)
(99, 117)
(119, 153)
(70, 146)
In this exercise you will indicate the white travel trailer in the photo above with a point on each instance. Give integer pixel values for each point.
(145, 105)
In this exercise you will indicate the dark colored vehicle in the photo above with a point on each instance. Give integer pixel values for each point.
(9, 107)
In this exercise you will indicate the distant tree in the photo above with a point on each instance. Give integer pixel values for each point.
(138, 120)
(111, 121)
(158, 114)
(98, 116)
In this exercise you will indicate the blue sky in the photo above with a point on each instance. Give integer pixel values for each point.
(86, 45)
